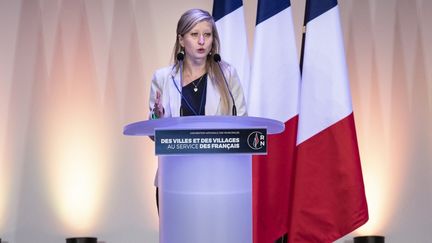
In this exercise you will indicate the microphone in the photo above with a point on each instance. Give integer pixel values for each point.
(180, 57)
(217, 59)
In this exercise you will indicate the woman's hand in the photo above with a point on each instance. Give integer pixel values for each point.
(158, 109)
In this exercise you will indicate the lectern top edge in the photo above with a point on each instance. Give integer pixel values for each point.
(148, 127)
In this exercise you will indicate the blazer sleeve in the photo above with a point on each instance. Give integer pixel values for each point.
(237, 92)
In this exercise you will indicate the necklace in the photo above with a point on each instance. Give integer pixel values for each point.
(195, 89)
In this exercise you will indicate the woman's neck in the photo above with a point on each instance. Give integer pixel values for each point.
(193, 70)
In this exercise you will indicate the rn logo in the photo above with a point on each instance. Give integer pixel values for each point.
(256, 140)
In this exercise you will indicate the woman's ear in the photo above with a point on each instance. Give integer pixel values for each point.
(180, 38)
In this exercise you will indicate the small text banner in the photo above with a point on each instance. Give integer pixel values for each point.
(171, 142)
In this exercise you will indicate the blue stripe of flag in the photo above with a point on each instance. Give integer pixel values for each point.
(224, 7)
(315, 8)
(269, 8)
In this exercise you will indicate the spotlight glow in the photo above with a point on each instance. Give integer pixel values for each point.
(5, 172)
(76, 148)
(4, 185)
(384, 163)
(4, 175)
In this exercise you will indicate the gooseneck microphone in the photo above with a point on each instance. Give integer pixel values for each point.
(217, 59)
(180, 57)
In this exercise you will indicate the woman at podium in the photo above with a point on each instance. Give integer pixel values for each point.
(199, 82)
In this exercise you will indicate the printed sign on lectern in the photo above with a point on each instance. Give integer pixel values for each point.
(250, 141)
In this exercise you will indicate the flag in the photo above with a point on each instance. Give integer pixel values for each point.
(230, 22)
(329, 198)
(274, 91)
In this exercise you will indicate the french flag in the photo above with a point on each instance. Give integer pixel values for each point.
(329, 198)
(274, 94)
(230, 22)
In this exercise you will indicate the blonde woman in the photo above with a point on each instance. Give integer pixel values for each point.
(194, 85)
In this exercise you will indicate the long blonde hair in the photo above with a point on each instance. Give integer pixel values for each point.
(185, 24)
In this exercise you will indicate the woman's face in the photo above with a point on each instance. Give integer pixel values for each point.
(198, 41)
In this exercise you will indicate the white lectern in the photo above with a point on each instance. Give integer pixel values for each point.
(205, 197)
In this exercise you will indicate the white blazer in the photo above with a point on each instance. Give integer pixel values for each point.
(167, 81)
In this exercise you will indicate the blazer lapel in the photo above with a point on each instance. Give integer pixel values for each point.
(175, 89)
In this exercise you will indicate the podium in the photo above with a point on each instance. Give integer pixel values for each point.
(205, 197)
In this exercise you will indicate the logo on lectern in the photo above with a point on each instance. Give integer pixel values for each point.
(256, 140)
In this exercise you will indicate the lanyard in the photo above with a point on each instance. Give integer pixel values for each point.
(187, 102)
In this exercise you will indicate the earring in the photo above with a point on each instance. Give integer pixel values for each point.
(180, 55)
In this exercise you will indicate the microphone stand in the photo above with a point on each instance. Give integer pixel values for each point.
(217, 59)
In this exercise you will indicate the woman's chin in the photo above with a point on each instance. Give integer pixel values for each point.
(199, 56)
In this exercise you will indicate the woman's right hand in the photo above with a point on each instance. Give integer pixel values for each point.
(158, 109)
